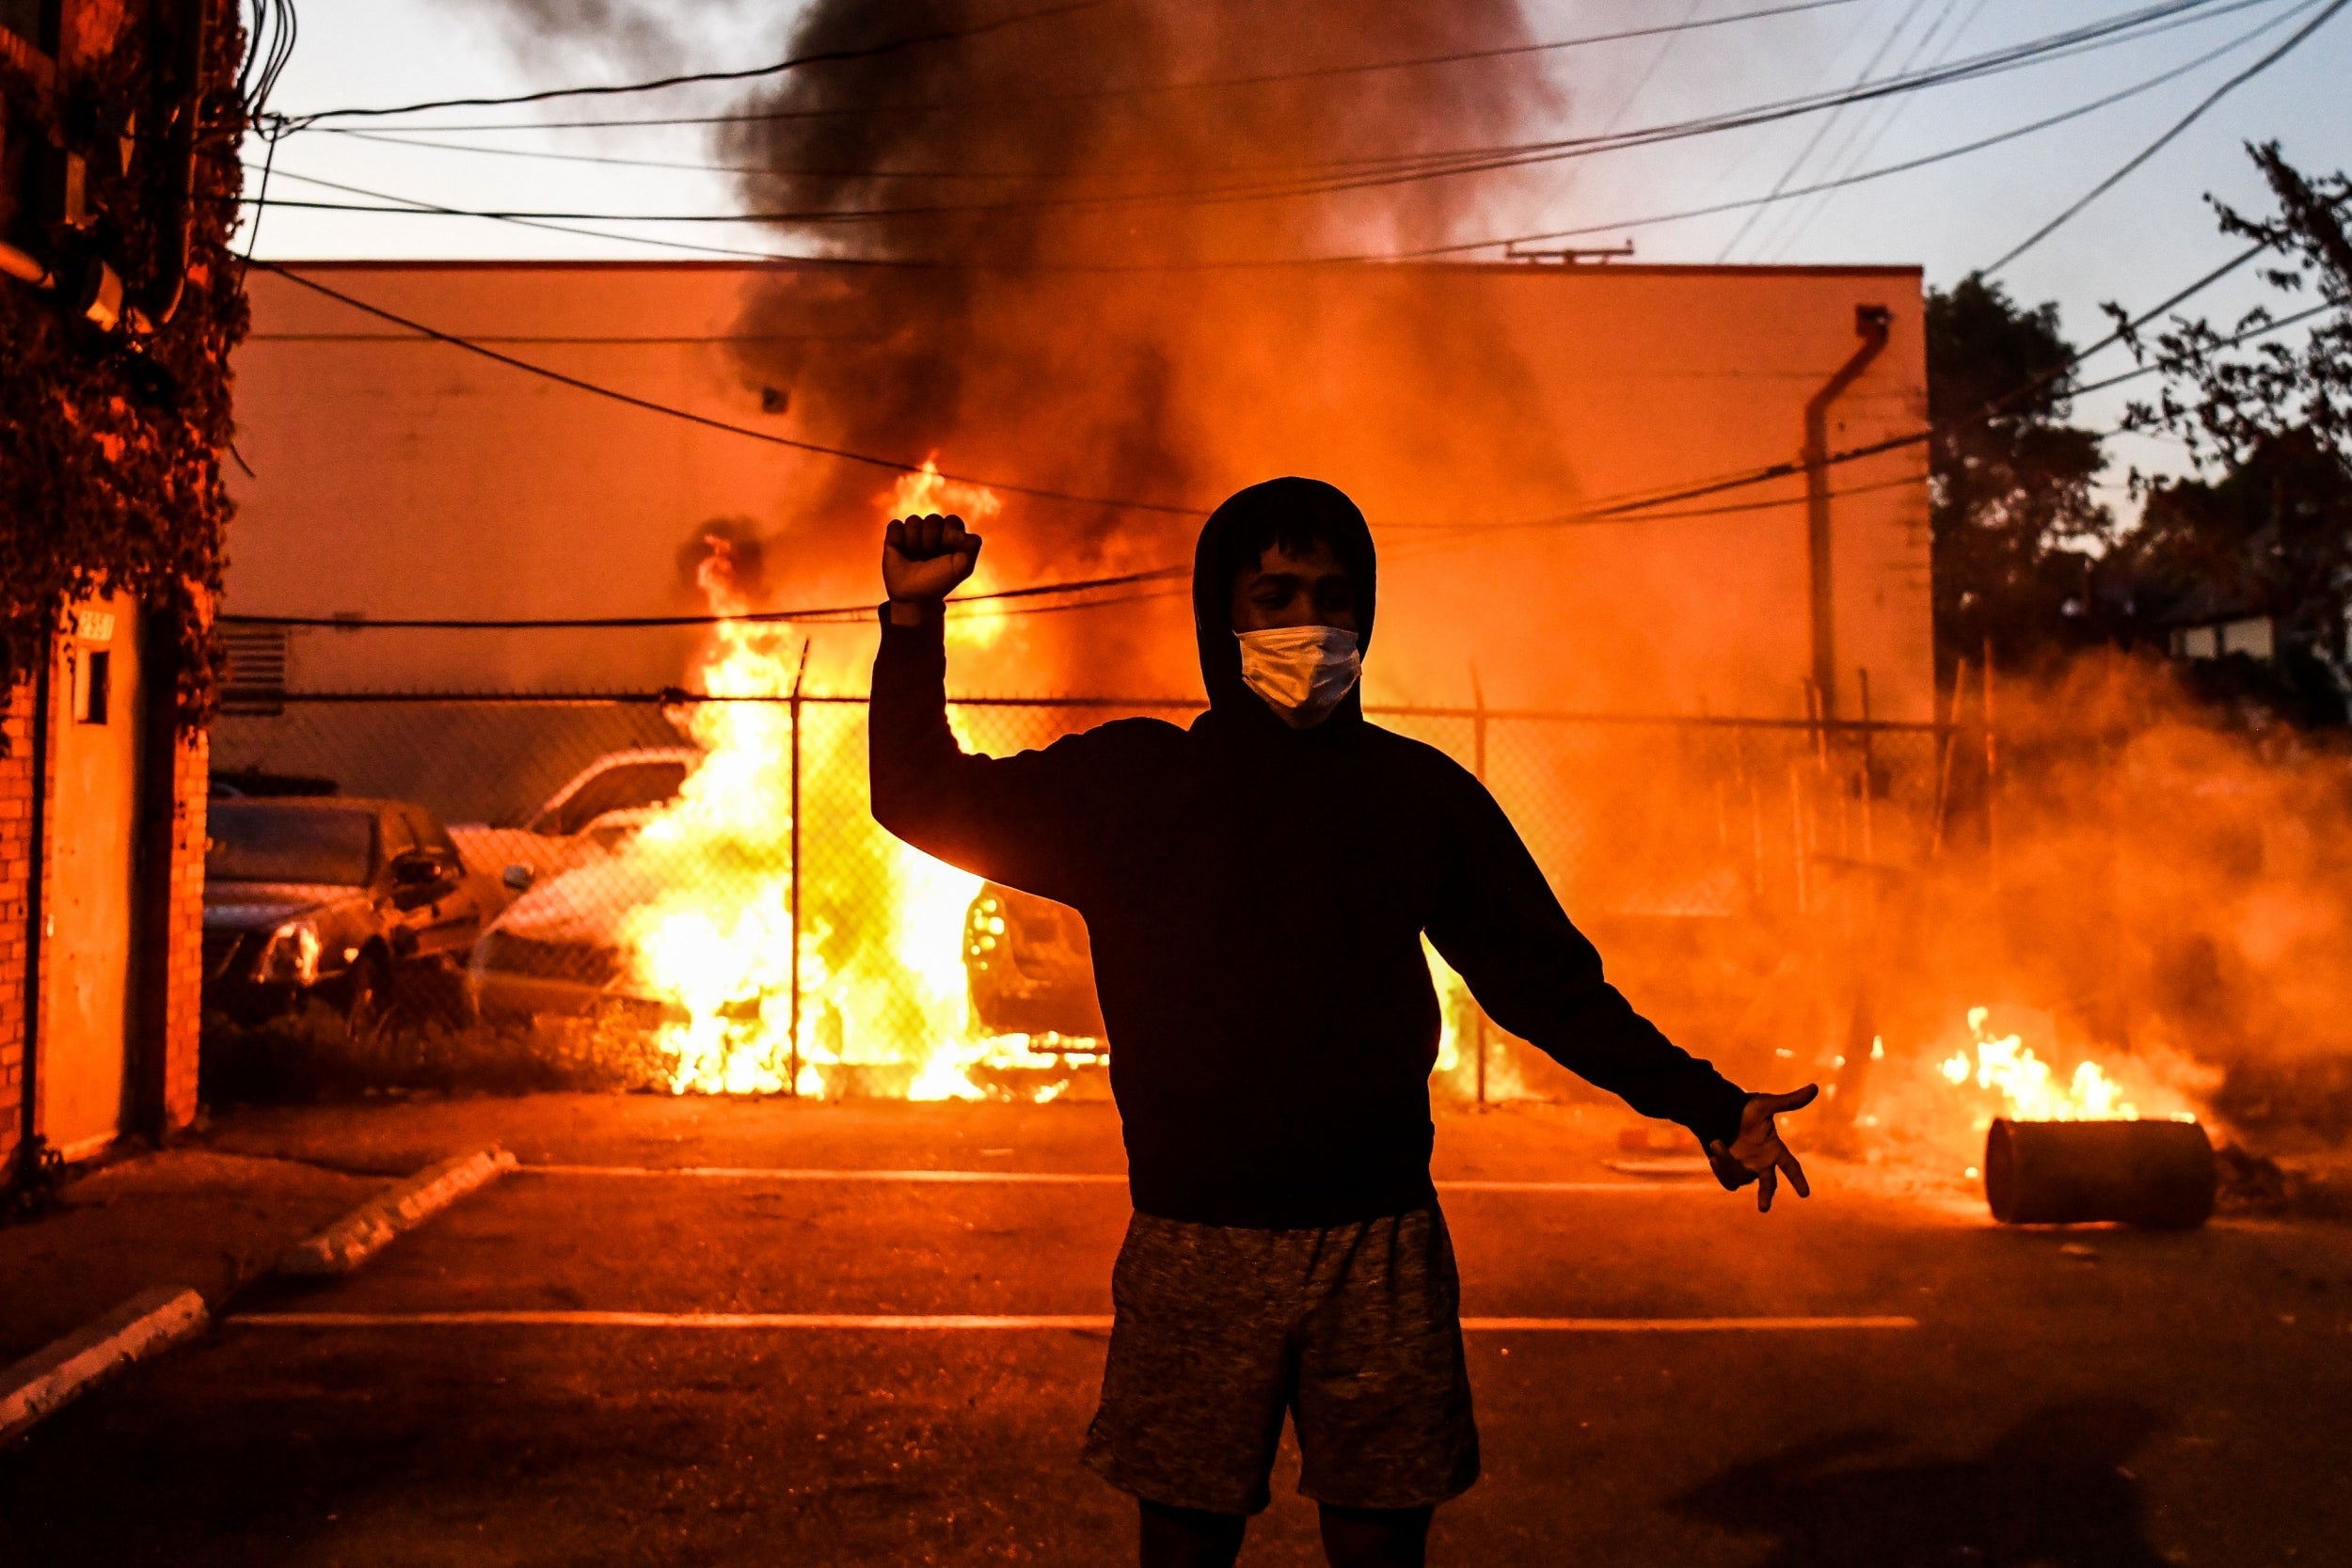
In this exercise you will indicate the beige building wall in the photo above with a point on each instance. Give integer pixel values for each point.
(1478, 413)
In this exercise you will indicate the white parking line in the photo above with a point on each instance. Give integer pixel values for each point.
(1072, 1179)
(786, 1173)
(971, 1323)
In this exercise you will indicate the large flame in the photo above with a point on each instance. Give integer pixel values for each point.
(2019, 1084)
(882, 993)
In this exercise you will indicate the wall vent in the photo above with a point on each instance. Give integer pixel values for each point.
(253, 681)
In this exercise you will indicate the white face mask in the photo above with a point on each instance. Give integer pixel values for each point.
(1301, 672)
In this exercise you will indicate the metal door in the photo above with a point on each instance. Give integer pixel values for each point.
(84, 1075)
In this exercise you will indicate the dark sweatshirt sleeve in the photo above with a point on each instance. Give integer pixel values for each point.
(1498, 923)
(1019, 820)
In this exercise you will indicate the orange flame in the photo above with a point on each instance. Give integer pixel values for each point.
(884, 999)
(2019, 1084)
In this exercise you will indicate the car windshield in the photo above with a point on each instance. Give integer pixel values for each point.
(262, 841)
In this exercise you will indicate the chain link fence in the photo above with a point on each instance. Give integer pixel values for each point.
(708, 871)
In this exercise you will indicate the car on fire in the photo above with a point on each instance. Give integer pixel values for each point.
(594, 810)
(329, 898)
(557, 948)
(1030, 965)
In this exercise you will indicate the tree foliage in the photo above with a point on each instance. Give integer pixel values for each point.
(110, 447)
(2010, 485)
(2264, 525)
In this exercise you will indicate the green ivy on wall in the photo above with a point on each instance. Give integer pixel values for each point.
(111, 442)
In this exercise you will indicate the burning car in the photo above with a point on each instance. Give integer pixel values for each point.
(1031, 966)
(321, 896)
(560, 948)
(596, 808)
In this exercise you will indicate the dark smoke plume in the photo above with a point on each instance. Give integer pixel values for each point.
(1067, 141)
(1039, 188)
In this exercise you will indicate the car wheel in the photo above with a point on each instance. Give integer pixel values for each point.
(368, 999)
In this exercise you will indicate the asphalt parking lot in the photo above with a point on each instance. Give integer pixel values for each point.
(772, 1332)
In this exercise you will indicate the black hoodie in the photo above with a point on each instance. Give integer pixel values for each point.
(1256, 897)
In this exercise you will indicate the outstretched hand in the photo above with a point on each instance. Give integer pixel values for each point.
(927, 558)
(1758, 1154)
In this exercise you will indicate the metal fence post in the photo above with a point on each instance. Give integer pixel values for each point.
(1869, 772)
(793, 1016)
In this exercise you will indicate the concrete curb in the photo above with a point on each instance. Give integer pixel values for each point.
(66, 1369)
(360, 1234)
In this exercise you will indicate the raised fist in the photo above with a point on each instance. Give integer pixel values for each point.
(927, 558)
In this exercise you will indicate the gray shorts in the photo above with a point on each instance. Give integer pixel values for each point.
(1354, 1329)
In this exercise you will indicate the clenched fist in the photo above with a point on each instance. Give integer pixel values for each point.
(925, 558)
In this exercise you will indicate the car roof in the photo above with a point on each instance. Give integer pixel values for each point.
(688, 755)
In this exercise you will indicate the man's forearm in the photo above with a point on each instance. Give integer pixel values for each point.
(914, 612)
(908, 741)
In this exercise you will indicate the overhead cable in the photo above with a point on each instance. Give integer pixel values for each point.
(1415, 168)
(1883, 171)
(1140, 89)
(419, 206)
(1641, 508)
(2166, 139)
(770, 437)
(822, 56)
(1821, 130)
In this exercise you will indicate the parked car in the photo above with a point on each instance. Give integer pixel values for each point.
(596, 809)
(1030, 964)
(557, 948)
(319, 896)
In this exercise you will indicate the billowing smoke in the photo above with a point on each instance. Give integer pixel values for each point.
(1037, 207)
(1045, 181)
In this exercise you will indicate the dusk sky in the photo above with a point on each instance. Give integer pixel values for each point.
(2138, 243)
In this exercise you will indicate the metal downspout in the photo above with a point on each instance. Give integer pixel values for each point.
(1873, 323)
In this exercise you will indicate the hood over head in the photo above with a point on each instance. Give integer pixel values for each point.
(1290, 511)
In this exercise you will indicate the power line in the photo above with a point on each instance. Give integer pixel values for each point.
(1649, 72)
(1409, 168)
(1871, 128)
(579, 384)
(1822, 129)
(551, 224)
(972, 602)
(634, 623)
(1074, 95)
(1905, 165)
(2165, 140)
(823, 56)
(1640, 508)
(418, 205)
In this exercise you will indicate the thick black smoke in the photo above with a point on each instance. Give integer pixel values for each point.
(1028, 167)
(1034, 203)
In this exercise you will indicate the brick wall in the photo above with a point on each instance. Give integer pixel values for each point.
(16, 812)
(168, 1098)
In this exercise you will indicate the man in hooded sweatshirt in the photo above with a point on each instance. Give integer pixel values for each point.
(1257, 887)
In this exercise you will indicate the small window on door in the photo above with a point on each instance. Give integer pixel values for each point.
(93, 683)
